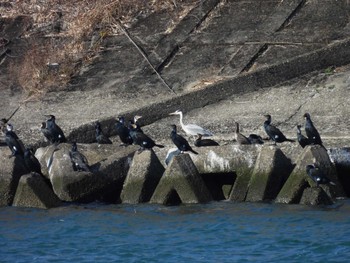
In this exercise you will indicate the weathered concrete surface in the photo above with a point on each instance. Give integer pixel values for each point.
(257, 44)
(225, 158)
(315, 196)
(11, 169)
(35, 191)
(271, 170)
(105, 180)
(142, 178)
(341, 159)
(298, 181)
(181, 183)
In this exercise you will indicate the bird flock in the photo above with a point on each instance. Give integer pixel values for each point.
(131, 133)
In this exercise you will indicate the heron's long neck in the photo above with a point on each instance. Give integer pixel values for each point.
(181, 122)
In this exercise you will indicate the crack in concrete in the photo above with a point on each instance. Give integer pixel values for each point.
(265, 46)
(175, 50)
(292, 15)
(254, 58)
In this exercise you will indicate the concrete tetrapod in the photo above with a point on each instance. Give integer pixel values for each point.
(35, 191)
(271, 170)
(142, 179)
(298, 180)
(11, 169)
(181, 183)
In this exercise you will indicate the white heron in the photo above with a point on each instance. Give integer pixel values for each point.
(191, 129)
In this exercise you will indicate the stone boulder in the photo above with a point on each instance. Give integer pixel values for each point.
(298, 180)
(181, 183)
(142, 179)
(271, 170)
(11, 169)
(35, 191)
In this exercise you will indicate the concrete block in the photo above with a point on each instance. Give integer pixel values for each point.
(341, 159)
(181, 183)
(240, 187)
(271, 170)
(11, 169)
(298, 180)
(35, 191)
(315, 196)
(142, 179)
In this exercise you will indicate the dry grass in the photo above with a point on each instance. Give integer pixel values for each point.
(62, 33)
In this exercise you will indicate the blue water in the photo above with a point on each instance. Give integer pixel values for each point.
(215, 232)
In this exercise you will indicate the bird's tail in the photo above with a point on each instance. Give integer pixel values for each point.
(159, 145)
(193, 151)
(290, 140)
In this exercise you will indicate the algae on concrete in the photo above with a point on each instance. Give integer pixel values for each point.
(35, 191)
(142, 179)
(181, 182)
(271, 170)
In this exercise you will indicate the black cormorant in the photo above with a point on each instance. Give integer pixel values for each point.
(317, 176)
(142, 139)
(311, 131)
(303, 141)
(46, 132)
(79, 161)
(255, 139)
(273, 132)
(199, 142)
(31, 161)
(240, 138)
(100, 137)
(13, 141)
(180, 142)
(56, 133)
(123, 132)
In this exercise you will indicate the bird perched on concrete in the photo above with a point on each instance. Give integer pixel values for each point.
(123, 132)
(13, 142)
(317, 176)
(303, 141)
(100, 137)
(47, 134)
(55, 133)
(311, 131)
(199, 142)
(31, 162)
(79, 161)
(142, 139)
(240, 138)
(191, 129)
(273, 132)
(255, 139)
(180, 142)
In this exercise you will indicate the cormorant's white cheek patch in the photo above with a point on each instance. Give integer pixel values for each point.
(144, 143)
(318, 179)
(276, 136)
(14, 147)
